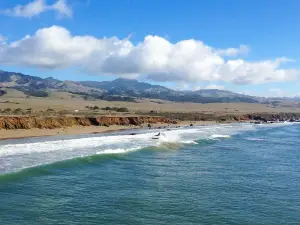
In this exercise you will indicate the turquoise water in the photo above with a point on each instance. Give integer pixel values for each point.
(233, 174)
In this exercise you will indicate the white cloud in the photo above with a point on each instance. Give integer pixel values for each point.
(62, 8)
(297, 95)
(215, 86)
(181, 86)
(195, 87)
(276, 92)
(245, 92)
(187, 61)
(184, 86)
(243, 72)
(2, 38)
(242, 50)
(37, 7)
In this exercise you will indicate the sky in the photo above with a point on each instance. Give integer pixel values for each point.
(249, 47)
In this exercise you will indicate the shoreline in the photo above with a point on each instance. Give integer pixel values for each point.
(77, 130)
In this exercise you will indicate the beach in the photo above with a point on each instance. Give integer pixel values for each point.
(36, 132)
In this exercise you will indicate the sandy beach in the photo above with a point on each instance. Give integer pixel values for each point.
(35, 132)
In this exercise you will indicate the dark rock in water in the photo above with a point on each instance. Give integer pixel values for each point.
(257, 122)
(191, 125)
(133, 134)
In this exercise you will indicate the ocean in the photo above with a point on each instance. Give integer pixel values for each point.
(217, 174)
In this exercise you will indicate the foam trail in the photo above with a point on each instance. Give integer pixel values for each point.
(14, 157)
(255, 139)
(220, 136)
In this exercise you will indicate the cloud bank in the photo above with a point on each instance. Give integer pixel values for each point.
(187, 61)
(38, 7)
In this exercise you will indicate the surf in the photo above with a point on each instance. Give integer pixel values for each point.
(19, 156)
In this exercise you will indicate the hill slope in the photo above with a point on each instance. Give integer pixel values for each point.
(109, 90)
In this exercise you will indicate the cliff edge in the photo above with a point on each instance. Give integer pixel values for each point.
(22, 122)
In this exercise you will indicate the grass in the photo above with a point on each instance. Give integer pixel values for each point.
(64, 103)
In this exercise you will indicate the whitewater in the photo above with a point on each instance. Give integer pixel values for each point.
(16, 155)
(217, 174)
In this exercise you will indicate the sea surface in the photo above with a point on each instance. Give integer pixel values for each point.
(218, 174)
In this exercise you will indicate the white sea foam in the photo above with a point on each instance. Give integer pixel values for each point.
(116, 151)
(214, 136)
(23, 155)
(255, 139)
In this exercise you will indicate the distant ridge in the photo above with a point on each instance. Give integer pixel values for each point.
(120, 87)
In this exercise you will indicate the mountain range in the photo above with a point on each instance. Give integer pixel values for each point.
(119, 89)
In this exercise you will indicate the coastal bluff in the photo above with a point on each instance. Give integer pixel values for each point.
(29, 122)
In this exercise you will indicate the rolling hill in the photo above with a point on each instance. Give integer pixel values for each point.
(119, 89)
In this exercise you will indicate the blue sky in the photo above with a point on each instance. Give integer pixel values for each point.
(243, 46)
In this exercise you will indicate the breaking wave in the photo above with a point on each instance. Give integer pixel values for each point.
(36, 152)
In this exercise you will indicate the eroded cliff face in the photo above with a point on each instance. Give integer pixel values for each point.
(23, 122)
(58, 122)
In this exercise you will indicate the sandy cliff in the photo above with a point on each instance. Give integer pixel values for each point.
(29, 122)
(21, 122)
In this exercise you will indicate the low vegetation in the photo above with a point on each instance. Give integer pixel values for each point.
(92, 107)
(107, 108)
(116, 109)
(10, 102)
(36, 93)
(105, 97)
(2, 92)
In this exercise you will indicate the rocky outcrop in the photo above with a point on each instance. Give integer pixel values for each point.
(228, 118)
(264, 117)
(58, 122)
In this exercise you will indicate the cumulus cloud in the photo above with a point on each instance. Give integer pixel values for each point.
(2, 38)
(215, 86)
(242, 50)
(187, 61)
(37, 7)
(243, 72)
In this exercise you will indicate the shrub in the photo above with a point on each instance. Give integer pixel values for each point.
(2, 92)
(107, 108)
(116, 109)
(36, 93)
(122, 109)
(7, 110)
(17, 111)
